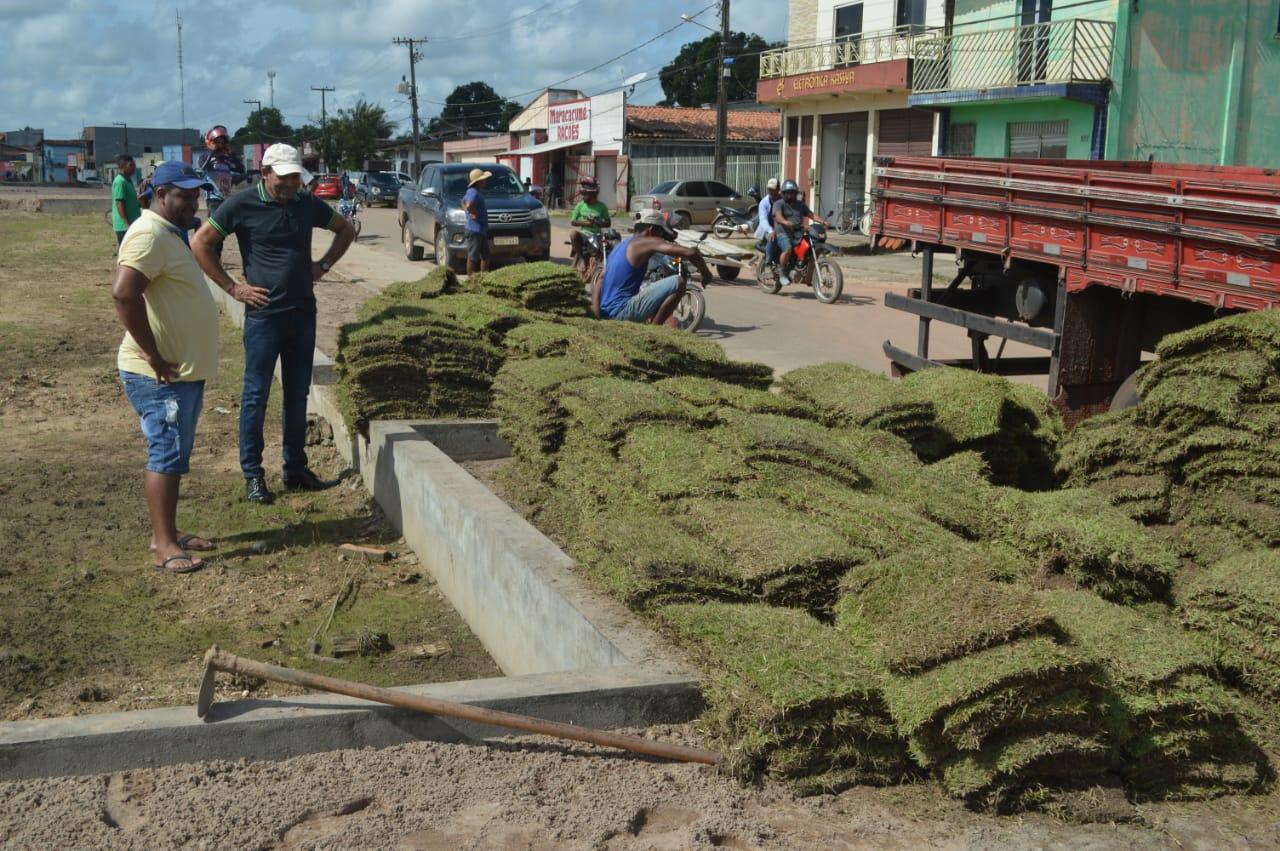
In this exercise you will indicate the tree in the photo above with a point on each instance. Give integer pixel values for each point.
(690, 78)
(264, 125)
(354, 133)
(474, 106)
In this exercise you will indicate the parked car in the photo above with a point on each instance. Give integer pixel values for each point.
(431, 214)
(402, 177)
(91, 181)
(378, 187)
(327, 186)
(691, 202)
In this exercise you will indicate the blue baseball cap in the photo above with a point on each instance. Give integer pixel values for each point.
(180, 175)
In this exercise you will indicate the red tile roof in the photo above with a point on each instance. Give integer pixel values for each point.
(670, 122)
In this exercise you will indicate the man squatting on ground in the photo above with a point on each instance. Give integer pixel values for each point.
(619, 296)
(170, 349)
(273, 223)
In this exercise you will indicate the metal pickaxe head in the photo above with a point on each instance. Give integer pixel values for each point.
(205, 699)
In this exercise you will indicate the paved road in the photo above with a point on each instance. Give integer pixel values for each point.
(786, 330)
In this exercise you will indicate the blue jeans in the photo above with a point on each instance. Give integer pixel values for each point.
(290, 338)
(644, 305)
(168, 414)
(772, 251)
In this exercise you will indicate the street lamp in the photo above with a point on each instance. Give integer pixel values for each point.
(720, 165)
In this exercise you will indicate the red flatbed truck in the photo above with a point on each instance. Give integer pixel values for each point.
(1092, 261)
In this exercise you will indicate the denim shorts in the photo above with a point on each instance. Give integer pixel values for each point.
(477, 246)
(168, 413)
(786, 240)
(644, 304)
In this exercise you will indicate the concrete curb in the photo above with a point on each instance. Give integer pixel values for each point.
(287, 727)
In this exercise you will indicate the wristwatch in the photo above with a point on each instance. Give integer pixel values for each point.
(325, 265)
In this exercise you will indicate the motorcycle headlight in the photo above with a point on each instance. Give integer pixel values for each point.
(457, 217)
(538, 214)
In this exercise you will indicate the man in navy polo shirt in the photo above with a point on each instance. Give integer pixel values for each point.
(273, 224)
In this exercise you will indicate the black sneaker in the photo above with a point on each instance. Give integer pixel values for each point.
(305, 480)
(255, 490)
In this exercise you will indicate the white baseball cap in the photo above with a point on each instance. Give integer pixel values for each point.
(285, 159)
(772, 184)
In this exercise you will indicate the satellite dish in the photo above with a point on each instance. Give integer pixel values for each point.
(635, 78)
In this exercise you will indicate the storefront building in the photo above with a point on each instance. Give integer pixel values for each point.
(843, 83)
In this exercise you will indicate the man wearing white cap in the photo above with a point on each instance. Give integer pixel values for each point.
(273, 225)
(764, 231)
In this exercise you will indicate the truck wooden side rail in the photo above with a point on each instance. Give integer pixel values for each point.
(1092, 261)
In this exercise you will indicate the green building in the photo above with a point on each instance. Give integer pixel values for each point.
(1193, 81)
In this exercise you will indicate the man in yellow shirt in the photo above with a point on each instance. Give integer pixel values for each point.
(170, 348)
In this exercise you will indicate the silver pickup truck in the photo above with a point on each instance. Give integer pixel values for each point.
(431, 213)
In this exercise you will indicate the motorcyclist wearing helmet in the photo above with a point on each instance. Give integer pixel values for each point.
(788, 219)
(219, 166)
(589, 215)
(768, 241)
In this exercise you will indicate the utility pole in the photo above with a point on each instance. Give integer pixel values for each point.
(182, 88)
(126, 133)
(412, 91)
(258, 102)
(722, 102)
(271, 80)
(324, 122)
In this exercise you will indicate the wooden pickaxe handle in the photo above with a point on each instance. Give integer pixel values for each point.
(220, 660)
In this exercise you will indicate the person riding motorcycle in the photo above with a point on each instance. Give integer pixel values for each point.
(789, 214)
(766, 238)
(219, 166)
(589, 215)
(619, 296)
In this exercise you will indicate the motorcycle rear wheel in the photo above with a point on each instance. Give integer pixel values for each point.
(690, 310)
(355, 223)
(828, 281)
(722, 227)
(768, 278)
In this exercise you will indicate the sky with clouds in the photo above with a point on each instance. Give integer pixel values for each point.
(68, 63)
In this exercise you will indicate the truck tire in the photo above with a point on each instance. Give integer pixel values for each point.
(1126, 394)
(412, 250)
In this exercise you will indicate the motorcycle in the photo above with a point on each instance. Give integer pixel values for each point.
(729, 223)
(595, 248)
(349, 210)
(809, 265)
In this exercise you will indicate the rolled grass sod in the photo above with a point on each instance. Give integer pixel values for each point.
(1235, 606)
(608, 407)
(922, 607)
(847, 395)
(670, 461)
(650, 353)
(1025, 770)
(802, 706)
(1256, 331)
(711, 393)
(542, 286)
(538, 339)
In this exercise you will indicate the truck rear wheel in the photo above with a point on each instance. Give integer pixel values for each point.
(412, 250)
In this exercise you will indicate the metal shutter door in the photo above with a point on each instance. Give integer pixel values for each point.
(906, 133)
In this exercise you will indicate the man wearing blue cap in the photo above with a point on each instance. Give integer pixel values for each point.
(170, 349)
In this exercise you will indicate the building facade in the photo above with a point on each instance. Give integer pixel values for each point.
(843, 83)
(1195, 81)
(102, 145)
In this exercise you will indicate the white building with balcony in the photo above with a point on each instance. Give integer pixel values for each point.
(842, 83)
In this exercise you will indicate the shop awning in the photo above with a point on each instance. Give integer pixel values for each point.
(543, 147)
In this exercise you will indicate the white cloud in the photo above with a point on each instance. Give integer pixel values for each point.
(76, 61)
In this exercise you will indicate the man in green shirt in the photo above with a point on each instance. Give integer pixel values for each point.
(125, 208)
(589, 215)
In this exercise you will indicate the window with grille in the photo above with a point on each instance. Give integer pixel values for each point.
(849, 21)
(962, 140)
(1038, 139)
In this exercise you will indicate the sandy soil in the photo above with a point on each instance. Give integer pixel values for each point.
(538, 795)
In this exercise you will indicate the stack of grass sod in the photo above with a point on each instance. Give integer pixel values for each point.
(787, 698)
(543, 286)
(1176, 733)
(649, 353)
(976, 678)
(847, 395)
(1235, 606)
(1200, 450)
(1013, 426)
(399, 366)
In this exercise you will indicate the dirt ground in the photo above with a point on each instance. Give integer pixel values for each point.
(88, 625)
(538, 795)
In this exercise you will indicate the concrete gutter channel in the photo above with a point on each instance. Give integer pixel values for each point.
(570, 653)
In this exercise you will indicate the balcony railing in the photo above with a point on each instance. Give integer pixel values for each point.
(843, 52)
(1070, 51)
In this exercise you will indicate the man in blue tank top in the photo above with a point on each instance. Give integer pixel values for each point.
(619, 296)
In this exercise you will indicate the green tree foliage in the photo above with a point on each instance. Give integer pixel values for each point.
(354, 133)
(690, 78)
(474, 106)
(264, 125)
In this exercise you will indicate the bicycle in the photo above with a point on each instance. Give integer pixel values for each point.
(854, 216)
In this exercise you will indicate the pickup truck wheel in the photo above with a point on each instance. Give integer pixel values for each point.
(442, 250)
(412, 250)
